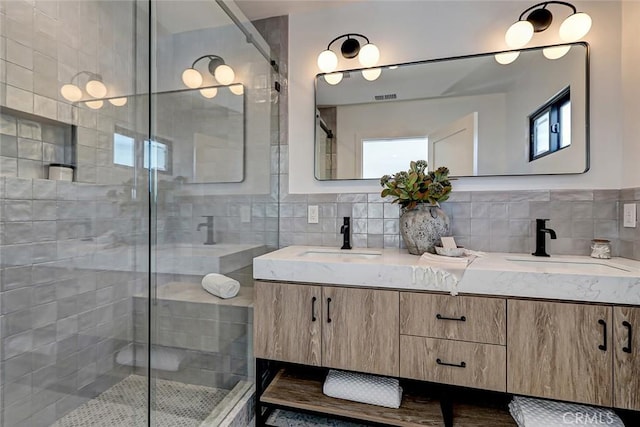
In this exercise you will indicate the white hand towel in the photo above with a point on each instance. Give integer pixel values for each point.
(220, 285)
(529, 412)
(363, 388)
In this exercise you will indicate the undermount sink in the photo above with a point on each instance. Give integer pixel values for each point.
(578, 265)
(339, 254)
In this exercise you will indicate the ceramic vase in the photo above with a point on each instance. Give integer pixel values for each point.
(422, 227)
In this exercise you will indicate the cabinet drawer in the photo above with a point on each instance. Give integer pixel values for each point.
(463, 318)
(454, 362)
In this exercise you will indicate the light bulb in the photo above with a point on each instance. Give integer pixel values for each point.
(236, 89)
(210, 92)
(96, 88)
(71, 92)
(327, 61)
(118, 102)
(95, 105)
(393, 67)
(224, 74)
(575, 27)
(369, 55)
(191, 78)
(371, 74)
(507, 57)
(333, 78)
(556, 52)
(519, 34)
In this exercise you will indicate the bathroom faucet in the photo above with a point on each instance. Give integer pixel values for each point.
(209, 225)
(541, 230)
(345, 230)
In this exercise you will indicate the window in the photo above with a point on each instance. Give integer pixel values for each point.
(550, 126)
(130, 149)
(379, 156)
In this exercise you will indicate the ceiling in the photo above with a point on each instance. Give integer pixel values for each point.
(259, 9)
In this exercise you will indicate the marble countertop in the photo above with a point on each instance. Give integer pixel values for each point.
(571, 278)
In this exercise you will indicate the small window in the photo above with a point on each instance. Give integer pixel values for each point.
(124, 150)
(550, 126)
(159, 156)
(379, 156)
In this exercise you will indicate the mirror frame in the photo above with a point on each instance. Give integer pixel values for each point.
(450, 58)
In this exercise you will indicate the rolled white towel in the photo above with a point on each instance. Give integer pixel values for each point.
(220, 285)
(530, 412)
(363, 388)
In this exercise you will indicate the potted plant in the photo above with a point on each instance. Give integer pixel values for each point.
(419, 193)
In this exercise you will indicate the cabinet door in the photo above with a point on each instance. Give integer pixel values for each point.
(360, 330)
(287, 322)
(626, 356)
(560, 351)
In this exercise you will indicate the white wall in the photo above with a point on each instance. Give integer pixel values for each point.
(631, 93)
(411, 30)
(389, 120)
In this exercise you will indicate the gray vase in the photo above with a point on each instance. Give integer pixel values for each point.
(422, 227)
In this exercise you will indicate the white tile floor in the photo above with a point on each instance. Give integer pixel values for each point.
(124, 405)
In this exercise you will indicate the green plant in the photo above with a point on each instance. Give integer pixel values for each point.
(417, 185)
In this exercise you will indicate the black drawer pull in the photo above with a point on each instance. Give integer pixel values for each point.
(328, 310)
(457, 319)
(313, 309)
(461, 365)
(603, 346)
(627, 325)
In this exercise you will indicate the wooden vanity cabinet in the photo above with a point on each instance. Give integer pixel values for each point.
(560, 351)
(335, 327)
(626, 357)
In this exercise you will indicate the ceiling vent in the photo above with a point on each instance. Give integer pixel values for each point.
(385, 97)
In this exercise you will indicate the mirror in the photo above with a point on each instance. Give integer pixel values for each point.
(472, 114)
(199, 137)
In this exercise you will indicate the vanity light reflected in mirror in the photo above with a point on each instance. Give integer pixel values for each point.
(222, 72)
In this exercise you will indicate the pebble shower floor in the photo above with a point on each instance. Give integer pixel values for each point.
(124, 405)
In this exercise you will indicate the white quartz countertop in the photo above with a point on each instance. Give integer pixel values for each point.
(571, 278)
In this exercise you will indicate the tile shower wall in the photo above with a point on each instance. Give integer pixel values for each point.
(629, 237)
(65, 310)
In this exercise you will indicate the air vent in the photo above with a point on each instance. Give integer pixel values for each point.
(385, 97)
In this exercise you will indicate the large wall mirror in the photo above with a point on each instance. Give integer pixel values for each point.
(479, 115)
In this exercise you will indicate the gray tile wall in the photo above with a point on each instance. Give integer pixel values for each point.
(629, 237)
(28, 146)
(63, 314)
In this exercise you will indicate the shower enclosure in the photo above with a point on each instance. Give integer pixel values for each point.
(103, 320)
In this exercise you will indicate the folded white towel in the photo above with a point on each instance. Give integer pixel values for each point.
(220, 285)
(529, 412)
(363, 388)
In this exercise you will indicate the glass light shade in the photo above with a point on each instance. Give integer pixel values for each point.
(369, 55)
(371, 74)
(96, 89)
(507, 57)
(327, 61)
(118, 102)
(555, 52)
(191, 78)
(236, 89)
(71, 92)
(210, 92)
(333, 78)
(95, 105)
(519, 34)
(575, 27)
(224, 74)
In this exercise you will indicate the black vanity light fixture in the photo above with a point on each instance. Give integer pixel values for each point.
(368, 56)
(94, 88)
(539, 17)
(223, 73)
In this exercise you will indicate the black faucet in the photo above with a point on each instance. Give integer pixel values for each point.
(541, 230)
(345, 230)
(209, 225)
